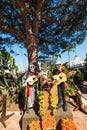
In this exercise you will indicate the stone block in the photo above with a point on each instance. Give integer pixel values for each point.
(28, 117)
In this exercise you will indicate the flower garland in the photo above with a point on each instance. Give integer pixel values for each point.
(41, 103)
(53, 101)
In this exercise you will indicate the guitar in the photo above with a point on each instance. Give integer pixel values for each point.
(32, 79)
(59, 78)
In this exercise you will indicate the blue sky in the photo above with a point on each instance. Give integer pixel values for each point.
(21, 60)
(80, 51)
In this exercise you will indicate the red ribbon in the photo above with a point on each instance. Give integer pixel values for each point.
(31, 73)
(59, 71)
(28, 90)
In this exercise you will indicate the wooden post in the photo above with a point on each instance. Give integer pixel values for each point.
(3, 114)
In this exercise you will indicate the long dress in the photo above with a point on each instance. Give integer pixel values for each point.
(30, 93)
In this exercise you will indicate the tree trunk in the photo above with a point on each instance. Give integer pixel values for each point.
(32, 49)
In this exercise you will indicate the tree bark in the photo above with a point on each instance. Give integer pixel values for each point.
(32, 49)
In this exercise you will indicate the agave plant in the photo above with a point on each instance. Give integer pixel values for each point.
(7, 65)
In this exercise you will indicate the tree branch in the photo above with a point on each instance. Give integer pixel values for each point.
(21, 5)
(12, 30)
(60, 6)
(51, 19)
(38, 15)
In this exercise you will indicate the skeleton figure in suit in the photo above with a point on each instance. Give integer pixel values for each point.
(61, 86)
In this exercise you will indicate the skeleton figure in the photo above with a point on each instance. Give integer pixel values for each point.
(61, 86)
(46, 82)
(30, 87)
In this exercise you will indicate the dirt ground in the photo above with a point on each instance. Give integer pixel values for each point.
(13, 107)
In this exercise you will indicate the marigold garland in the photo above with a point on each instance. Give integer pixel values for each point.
(41, 103)
(52, 101)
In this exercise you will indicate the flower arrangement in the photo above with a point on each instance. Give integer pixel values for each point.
(47, 122)
(34, 125)
(67, 124)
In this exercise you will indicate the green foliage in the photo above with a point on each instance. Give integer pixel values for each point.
(9, 80)
(86, 58)
(7, 61)
(71, 87)
(79, 77)
(70, 80)
(57, 24)
(50, 65)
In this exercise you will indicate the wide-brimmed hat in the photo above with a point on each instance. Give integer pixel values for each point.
(58, 63)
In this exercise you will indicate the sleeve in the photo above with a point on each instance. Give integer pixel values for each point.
(54, 72)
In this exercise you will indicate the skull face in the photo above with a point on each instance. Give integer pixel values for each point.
(32, 68)
(58, 66)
